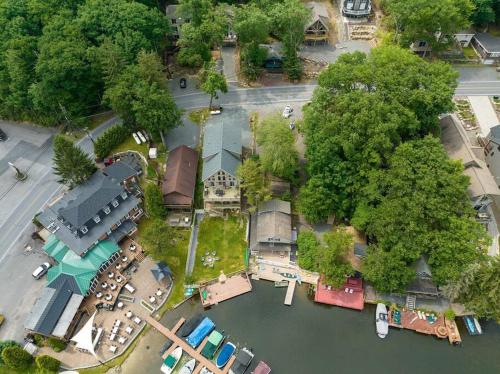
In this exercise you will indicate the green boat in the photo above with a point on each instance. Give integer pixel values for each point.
(215, 340)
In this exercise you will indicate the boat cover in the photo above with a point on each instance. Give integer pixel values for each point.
(214, 340)
(243, 359)
(262, 368)
(204, 328)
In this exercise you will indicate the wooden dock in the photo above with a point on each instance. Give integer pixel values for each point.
(289, 292)
(178, 342)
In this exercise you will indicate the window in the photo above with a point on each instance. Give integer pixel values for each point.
(107, 210)
(84, 230)
(118, 223)
(97, 219)
(422, 43)
(115, 203)
(124, 195)
(174, 21)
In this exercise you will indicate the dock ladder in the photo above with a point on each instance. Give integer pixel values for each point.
(411, 300)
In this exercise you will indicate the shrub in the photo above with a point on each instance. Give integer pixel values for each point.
(111, 138)
(47, 364)
(16, 358)
(5, 344)
(153, 200)
(39, 340)
(56, 344)
(449, 314)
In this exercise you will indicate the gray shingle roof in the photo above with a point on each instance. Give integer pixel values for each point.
(489, 42)
(221, 148)
(274, 223)
(86, 200)
(51, 306)
(123, 169)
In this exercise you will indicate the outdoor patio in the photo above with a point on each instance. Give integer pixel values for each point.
(224, 288)
(115, 329)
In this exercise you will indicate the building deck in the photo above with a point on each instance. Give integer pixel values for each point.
(219, 290)
(441, 328)
(289, 292)
(178, 342)
(353, 298)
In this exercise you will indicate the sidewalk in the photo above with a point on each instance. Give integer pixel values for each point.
(485, 114)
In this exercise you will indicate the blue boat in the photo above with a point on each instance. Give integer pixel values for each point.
(225, 354)
(200, 332)
(472, 325)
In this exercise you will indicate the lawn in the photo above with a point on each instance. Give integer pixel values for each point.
(469, 53)
(227, 238)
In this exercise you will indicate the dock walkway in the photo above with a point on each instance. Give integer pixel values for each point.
(178, 342)
(289, 292)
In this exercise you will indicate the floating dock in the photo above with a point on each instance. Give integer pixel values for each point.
(224, 288)
(178, 342)
(419, 322)
(289, 292)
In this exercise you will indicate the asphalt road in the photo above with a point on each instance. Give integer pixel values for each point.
(19, 202)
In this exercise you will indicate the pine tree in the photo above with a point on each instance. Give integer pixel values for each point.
(71, 164)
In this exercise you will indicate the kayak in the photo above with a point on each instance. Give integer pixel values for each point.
(171, 361)
(188, 367)
(225, 354)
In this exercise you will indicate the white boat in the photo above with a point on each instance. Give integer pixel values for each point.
(381, 320)
(188, 367)
(171, 361)
(204, 370)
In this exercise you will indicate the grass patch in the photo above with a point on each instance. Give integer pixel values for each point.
(227, 238)
(130, 145)
(31, 370)
(469, 52)
(199, 116)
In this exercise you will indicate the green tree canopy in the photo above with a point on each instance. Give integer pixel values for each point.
(484, 12)
(213, 81)
(478, 288)
(15, 357)
(277, 147)
(253, 182)
(333, 264)
(308, 248)
(156, 238)
(419, 205)
(71, 164)
(47, 364)
(433, 21)
(4, 344)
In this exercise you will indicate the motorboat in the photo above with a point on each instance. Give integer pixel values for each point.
(171, 361)
(190, 325)
(188, 367)
(204, 370)
(225, 354)
(381, 320)
(262, 368)
(242, 361)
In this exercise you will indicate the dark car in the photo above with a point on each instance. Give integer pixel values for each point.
(183, 83)
(3, 136)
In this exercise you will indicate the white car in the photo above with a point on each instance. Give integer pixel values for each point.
(41, 270)
(287, 112)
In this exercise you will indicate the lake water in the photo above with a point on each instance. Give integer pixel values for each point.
(311, 338)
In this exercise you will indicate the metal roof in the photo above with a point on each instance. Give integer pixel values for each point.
(274, 223)
(221, 148)
(489, 42)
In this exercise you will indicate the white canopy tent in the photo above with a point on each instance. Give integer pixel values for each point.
(83, 338)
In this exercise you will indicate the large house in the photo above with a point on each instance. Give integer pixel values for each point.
(316, 30)
(180, 179)
(175, 21)
(85, 224)
(356, 8)
(271, 228)
(222, 149)
(483, 189)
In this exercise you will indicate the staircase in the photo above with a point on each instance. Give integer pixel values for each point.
(411, 300)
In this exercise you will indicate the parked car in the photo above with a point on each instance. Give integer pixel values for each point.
(3, 136)
(287, 112)
(183, 83)
(41, 270)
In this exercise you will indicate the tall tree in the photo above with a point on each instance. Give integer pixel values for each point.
(290, 18)
(71, 164)
(278, 154)
(333, 264)
(213, 82)
(153, 200)
(252, 26)
(253, 182)
(308, 248)
(483, 12)
(433, 21)
(478, 288)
